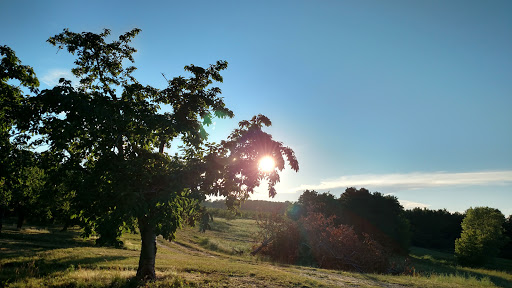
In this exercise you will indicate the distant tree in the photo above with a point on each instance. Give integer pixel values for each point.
(311, 201)
(27, 197)
(14, 156)
(57, 199)
(382, 217)
(506, 251)
(263, 206)
(205, 219)
(358, 231)
(482, 236)
(112, 133)
(251, 207)
(434, 229)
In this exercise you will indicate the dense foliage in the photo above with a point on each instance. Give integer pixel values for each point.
(434, 229)
(482, 236)
(19, 180)
(106, 139)
(315, 240)
(320, 229)
(506, 251)
(358, 231)
(382, 217)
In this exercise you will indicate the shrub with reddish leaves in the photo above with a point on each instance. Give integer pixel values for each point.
(280, 238)
(339, 247)
(316, 240)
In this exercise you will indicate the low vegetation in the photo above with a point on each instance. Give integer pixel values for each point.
(47, 257)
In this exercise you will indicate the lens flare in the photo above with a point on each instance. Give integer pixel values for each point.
(267, 164)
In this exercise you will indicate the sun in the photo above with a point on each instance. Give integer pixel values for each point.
(266, 164)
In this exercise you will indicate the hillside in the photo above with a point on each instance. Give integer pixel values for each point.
(45, 257)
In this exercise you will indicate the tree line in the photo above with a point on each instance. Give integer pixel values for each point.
(361, 230)
(249, 209)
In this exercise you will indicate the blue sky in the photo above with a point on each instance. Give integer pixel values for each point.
(410, 98)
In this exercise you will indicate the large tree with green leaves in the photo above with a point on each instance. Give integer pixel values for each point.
(14, 156)
(481, 237)
(111, 132)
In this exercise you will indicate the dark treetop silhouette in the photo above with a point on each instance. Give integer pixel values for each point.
(111, 133)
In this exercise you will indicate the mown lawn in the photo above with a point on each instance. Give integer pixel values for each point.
(46, 257)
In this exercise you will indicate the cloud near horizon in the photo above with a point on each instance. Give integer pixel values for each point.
(411, 204)
(410, 181)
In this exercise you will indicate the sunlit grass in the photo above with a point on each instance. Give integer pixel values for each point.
(234, 237)
(48, 258)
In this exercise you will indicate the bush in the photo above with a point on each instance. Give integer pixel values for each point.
(280, 238)
(339, 247)
(316, 240)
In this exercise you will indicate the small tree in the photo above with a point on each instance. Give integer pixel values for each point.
(482, 236)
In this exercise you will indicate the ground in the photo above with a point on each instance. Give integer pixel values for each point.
(46, 257)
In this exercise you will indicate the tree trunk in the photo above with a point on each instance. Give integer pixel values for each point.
(265, 243)
(21, 217)
(65, 227)
(146, 270)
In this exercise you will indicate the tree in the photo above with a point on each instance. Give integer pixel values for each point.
(13, 76)
(506, 251)
(436, 229)
(56, 199)
(112, 133)
(312, 202)
(380, 216)
(482, 236)
(26, 194)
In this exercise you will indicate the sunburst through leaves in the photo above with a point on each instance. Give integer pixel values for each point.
(267, 164)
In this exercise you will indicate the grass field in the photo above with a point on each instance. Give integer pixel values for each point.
(46, 257)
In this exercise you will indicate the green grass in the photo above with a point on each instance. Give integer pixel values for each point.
(218, 258)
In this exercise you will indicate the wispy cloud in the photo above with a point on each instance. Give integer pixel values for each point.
(408, 181)
(51, 78)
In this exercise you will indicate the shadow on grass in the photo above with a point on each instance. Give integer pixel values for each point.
(32, 253)
(428, 265)
(18, 270)
(220, 226)
(27, 242)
